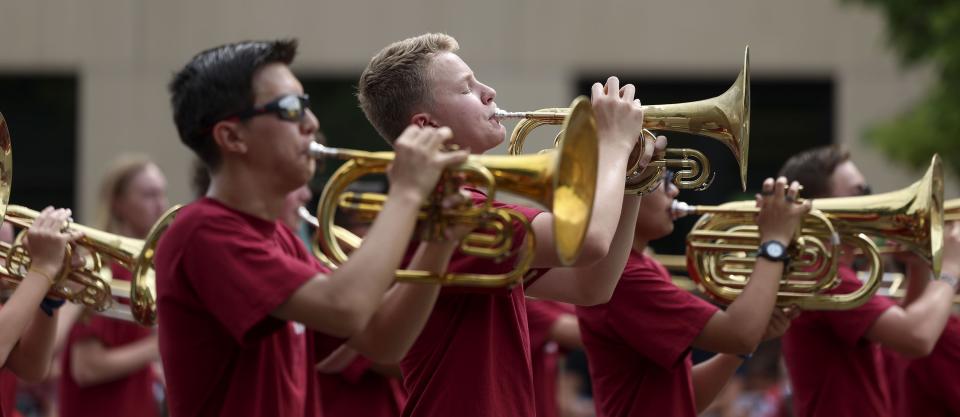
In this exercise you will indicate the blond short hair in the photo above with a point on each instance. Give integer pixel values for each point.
(393, 85)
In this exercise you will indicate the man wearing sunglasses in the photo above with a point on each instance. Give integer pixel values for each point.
(639, 343)
(834, 357)
(245, 311)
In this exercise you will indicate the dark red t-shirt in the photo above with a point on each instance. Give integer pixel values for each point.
(545, 353)
(128, 396)
(835, 370)
(932, 383)
(638, 344)
(220, 273)
(361, 392)
(8, 393)
(473, 356)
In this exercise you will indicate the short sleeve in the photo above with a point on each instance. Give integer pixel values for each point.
(655, 317)
(852, 325)
(541, 314)
(241, 276)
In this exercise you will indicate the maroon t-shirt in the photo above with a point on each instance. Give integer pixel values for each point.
(127, 396)
(835, 370)
(545, 353)
(638, 344)
(8, 393)
(361, 392)
(473, 356)
(932, 383)
(220, 273)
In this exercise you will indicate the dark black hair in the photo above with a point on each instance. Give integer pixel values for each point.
(219, 82)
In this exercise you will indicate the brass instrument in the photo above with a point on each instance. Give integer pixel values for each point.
(89, 284)
(97, 289)
(563, 180)
(725, 118)
(720, 247)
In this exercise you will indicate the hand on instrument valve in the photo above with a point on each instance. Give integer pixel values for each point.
(619, 116)
(780, 322)
(951, 249)
(780, 213)
(47, 240)
(420, 158)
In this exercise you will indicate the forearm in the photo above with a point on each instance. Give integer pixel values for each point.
(405, 309)
(593, 284)
(916, 279)
(371, 269)
(600, 279)
(750, 313)
(608, 198)
(711, 376)
(928, 314)
(30, 358)
(19, 310)
(95, 364)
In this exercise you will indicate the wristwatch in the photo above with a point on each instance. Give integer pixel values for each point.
(774, 251)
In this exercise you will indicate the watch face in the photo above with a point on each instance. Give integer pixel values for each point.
(775, 250)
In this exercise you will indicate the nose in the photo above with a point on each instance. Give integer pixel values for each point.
(309, 125)
(672, 190)
(487, 94)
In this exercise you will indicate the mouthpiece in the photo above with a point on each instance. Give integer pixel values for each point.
(681, 209)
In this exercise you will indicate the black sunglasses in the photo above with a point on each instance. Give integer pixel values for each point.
(291, 108)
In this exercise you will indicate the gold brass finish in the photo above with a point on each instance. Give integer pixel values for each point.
(720, 247)
(725, 118)
(563, 180)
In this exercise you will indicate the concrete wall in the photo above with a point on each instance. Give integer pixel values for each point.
(531, 50)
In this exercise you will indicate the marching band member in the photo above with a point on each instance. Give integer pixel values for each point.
(834, 357)
(245, 311)
(473, 357)
(639, 343)
(108, 363)
(28, 320)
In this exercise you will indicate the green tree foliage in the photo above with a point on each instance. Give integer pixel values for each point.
(924, 31)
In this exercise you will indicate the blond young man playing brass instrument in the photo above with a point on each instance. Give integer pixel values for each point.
(473, 357)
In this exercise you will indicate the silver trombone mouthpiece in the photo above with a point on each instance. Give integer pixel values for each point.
(680, 209)
(307, 217)
(318, 150)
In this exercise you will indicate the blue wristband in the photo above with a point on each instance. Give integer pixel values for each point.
(48, 305)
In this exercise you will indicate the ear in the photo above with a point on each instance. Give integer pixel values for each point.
(228, 136)
(423, 119)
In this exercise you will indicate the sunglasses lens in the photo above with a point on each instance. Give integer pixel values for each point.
(291, 108)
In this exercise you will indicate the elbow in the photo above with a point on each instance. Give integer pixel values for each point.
(34, 374)
(917, 345)
(745, 343)
(384, 355)
(84, 376)
(353, 314)
(596, 246)
(594, 296)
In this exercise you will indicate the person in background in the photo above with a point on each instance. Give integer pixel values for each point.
(108, 364)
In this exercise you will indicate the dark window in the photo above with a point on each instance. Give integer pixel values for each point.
(41, 113)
